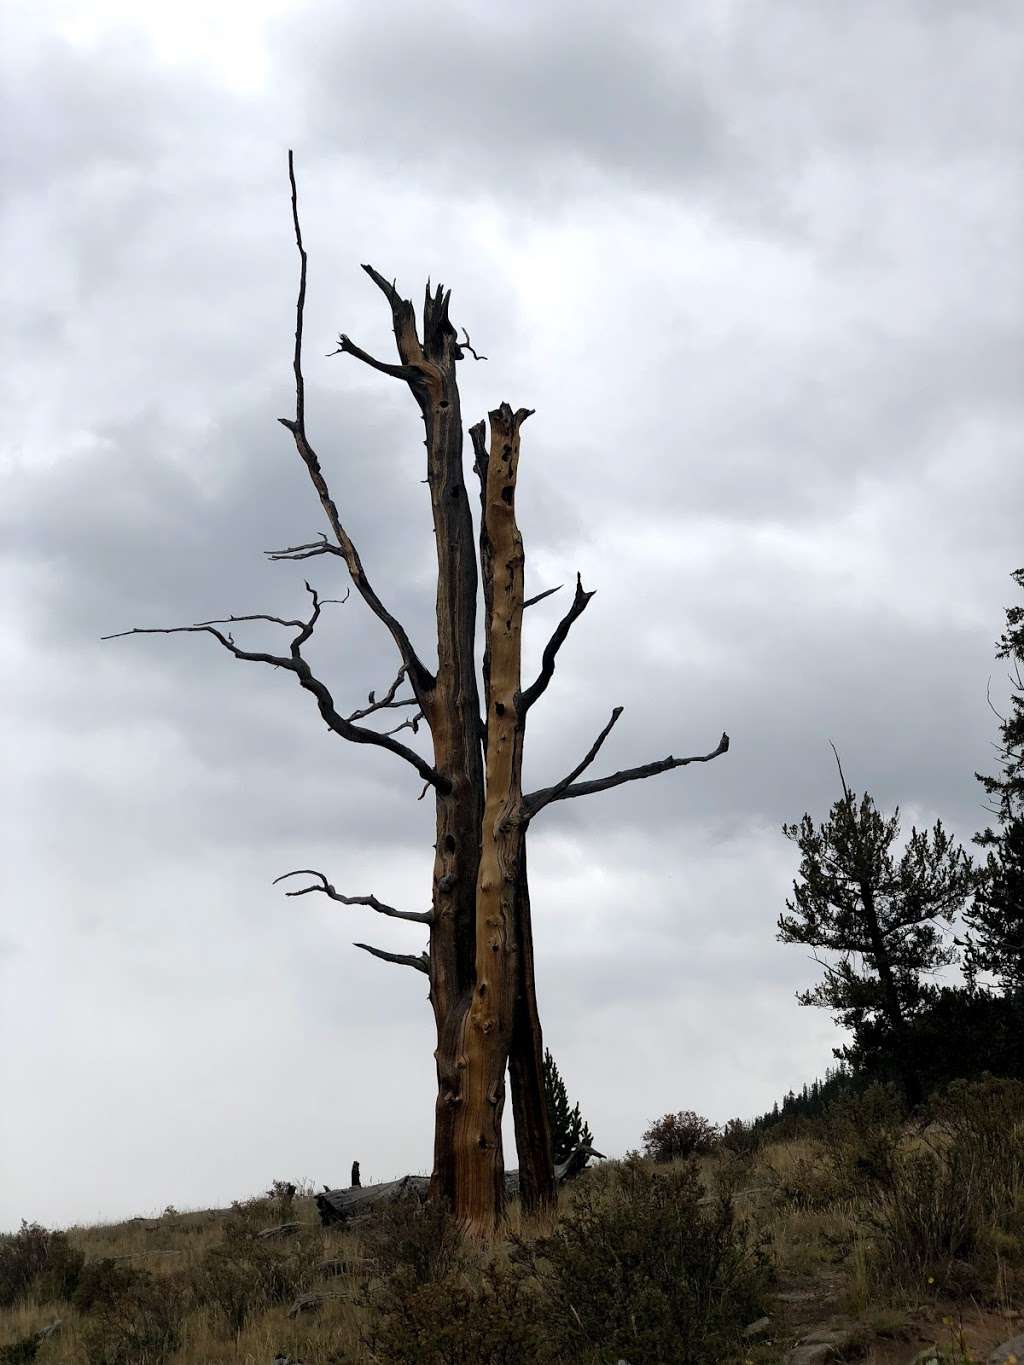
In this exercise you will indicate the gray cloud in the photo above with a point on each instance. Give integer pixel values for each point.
(760, 283)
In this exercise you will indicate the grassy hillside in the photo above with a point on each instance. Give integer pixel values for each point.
(879, 1237)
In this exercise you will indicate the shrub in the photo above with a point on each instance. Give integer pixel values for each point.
(20, 1352)
(679, 1135)
(132, 1317)
(861, 1134)
(243, 1274)
(643, 1270)
(282, 1195)
(492, 1317)
(929, 1220)
(984, 1120)
(420, 1240)
(35, 1261)
(739, 1138)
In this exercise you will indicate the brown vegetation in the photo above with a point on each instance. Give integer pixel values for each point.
(883, 1237)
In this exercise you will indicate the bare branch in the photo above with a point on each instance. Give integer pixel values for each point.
(324, 886)
(465, 346)
(842, 775)
(532, 601)
(387, 701)
(547, 667)
(409, 373)
(421, 961)
(419, 675)
(413, 724)
(295, 663)
(533, 804)
(315, 547)
(535, 800)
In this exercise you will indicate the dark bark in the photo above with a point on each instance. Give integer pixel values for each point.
(910, 1077)
(526, 1066)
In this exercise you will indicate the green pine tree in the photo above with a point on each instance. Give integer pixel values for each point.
(569, 1129)
(882, 914)
(996, 943)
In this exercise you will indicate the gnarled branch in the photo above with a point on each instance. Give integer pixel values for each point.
(466, 346)
(547, 667)
(324, 886)
(314, 547)
(410, 373)
(295, 663)
(419, 675)
(386, 702)
(536, 800)
(421, 961)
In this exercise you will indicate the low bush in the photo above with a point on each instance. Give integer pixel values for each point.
(36, 1262)
(683, 1134)
(861, 1134)
(422, 1241)
(739, 1138)
(929, 1221)
(132, 1317)
(491, 1315)
(644, 1270)
(20, 1352)
(244, 1274)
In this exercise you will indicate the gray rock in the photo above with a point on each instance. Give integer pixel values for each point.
(1009, 1352)
(758, 1328)
(820, 1346)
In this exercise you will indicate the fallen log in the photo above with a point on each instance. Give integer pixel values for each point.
(285, 1229)
(340, 1206)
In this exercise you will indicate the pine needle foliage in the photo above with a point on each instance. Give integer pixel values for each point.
(569, 1129)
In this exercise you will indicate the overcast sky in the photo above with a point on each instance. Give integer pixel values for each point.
(758, 270)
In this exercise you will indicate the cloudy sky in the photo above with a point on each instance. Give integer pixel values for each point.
(757, 268)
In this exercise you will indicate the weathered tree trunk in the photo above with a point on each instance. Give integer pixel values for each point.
(526, 1055)
(526, 1066)
(451, 707)
(480, 960)
(483, 1036)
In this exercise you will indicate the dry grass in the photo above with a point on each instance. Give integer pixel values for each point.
(823, 1217)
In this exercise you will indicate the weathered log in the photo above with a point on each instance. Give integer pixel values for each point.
(285, 1229)
(311, 1303)
(340, 1206)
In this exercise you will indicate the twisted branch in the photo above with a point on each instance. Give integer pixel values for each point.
(417, 917)
(420, 961)
(295, 663)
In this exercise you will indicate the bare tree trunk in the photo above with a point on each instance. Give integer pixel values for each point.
(526, 1066)
(484, 1031)
(480, 960)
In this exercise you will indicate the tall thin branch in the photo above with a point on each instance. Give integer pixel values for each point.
(419, 675)
(547, 667)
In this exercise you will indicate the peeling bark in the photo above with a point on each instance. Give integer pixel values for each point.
(483, 1035)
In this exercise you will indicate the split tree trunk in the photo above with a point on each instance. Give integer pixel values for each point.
(526, 1066)
(484, 1029)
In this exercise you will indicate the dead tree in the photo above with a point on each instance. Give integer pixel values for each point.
(479, 960)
